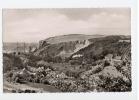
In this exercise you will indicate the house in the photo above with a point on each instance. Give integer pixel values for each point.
(124, 41)
(118, 57)
(77, 56)
(109, 57)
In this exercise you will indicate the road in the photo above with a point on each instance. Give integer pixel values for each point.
(41, 88)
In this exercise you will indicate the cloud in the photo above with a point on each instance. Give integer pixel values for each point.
(34, 25)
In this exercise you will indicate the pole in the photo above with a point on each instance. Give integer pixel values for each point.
(17, 48)
(24, 47)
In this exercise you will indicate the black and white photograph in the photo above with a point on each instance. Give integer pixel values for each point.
(67, 50)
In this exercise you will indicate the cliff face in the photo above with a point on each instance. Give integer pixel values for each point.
(64, 45)
(64, 49)
(67, 38)
(83, 46)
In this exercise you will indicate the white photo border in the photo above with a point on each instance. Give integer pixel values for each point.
(26, 4)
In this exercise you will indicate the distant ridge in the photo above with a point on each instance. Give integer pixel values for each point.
(70, 37)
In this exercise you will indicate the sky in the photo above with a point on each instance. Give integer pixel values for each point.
(33, 25)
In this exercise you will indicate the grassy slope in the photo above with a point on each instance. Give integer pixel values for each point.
(70, 37)
(109, 44)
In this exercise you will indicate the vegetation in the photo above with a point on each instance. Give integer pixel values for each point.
(11, 62)
(105, 65)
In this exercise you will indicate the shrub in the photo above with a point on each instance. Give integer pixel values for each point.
(10, 62)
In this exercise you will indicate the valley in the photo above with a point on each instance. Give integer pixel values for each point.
(71, 63)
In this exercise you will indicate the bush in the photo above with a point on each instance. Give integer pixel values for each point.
(34, 58)
(75, 62)
(10, 62)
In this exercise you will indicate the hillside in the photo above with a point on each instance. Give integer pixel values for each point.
(93, 45)
(65, 49)
(65, 45)
(101, 64)
(70, 37)
(107, 45)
